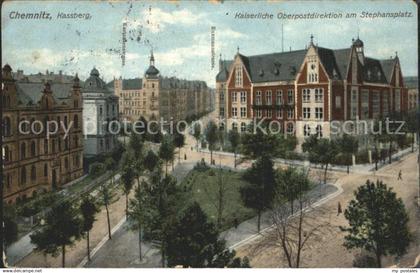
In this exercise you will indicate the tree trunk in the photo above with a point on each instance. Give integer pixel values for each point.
(166, 169)
(348, 169)
(412, 144)
(234, 156)
(211, 156)
(389, 152)
(378, 260)
(140, 249)
(63, 256)
(88, 245)
(376, 158)
(179, 155)
(163, 257)
(325, 173)
(126, 204)
(259, 221)
(109, 223)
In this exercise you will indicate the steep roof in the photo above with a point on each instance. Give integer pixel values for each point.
(224, 71)
(31, 93)
(372, 71)
(94, 84)
(274, 66)
(388, 67)
(175, 83)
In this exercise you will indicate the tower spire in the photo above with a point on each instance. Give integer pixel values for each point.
(312, 39)
(152, 58)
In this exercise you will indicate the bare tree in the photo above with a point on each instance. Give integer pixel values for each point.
(290, 233)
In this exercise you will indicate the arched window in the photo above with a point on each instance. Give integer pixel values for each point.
(33, 149)
(45, 169)
(7, 126)
(76, 121)
(66, 163)
(33, 173)
(65, 121)
(8, 101)
(23, 126)
(23, 175)
(77, 160)
(54, 145)
(22, 150)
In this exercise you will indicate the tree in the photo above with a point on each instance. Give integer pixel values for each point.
(110, 164)
(411, 126)
(293, 235)
(321, 151)
(197, 132)
(128, 176)
(194, 242)
(260, 143)
(258, 193)
(161, 210)
(166, 152)
(96, 169)
(179, 142)
(348, 145)
(378, 221)
(62, 228)
(151, 161)
(107, 197)
(137, 214)
(211, 137)
(10, 227)
(88, 209)
(234, 139)
(290, 184)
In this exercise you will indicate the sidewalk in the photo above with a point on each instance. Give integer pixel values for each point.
(122, 251)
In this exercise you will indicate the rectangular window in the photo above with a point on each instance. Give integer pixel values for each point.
(234, 112)
(238, 76)
(306, 130)
(319, 130)
(279, 114)
(279, 97)
(290, 113)
(243, 97)
(338, 102)
(319, 96)
(243, 112)
(306, 112)
(268, 95)
(222, 97)
(319, 112)
(290, 99)
(258, 98)
(269, 113)
(365, 104)
(375, 104)
(222, 112)
(385, 102)
(397, 100)
(306, 95)
(234, 96)
(259, 113)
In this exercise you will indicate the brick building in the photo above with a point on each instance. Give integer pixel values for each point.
(304, 90)
(34, 163)
(155, 96)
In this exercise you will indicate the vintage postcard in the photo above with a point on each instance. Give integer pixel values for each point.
(209, 134)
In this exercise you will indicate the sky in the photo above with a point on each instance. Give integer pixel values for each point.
(179, 32)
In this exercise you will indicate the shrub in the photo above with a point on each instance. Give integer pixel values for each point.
(96, 169)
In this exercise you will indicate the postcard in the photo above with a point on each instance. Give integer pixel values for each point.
(209, 134)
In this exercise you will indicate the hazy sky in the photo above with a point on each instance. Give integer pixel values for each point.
(179, 33)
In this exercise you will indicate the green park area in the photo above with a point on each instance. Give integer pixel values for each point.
(204, 186)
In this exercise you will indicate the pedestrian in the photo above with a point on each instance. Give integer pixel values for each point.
(339, 209)
(399, 175)
(185, 156)
(236, 222)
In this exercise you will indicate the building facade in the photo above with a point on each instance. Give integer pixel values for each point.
(413, 92)
(154, 96)
(100, 108)
(305, 90)
(35, 162)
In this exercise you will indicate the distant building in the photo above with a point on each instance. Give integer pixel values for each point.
(100, 107)
(413, 92)
(34, 163)
(304, 90)
(155, 96)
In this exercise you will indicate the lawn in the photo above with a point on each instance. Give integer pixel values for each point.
(202, 187)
